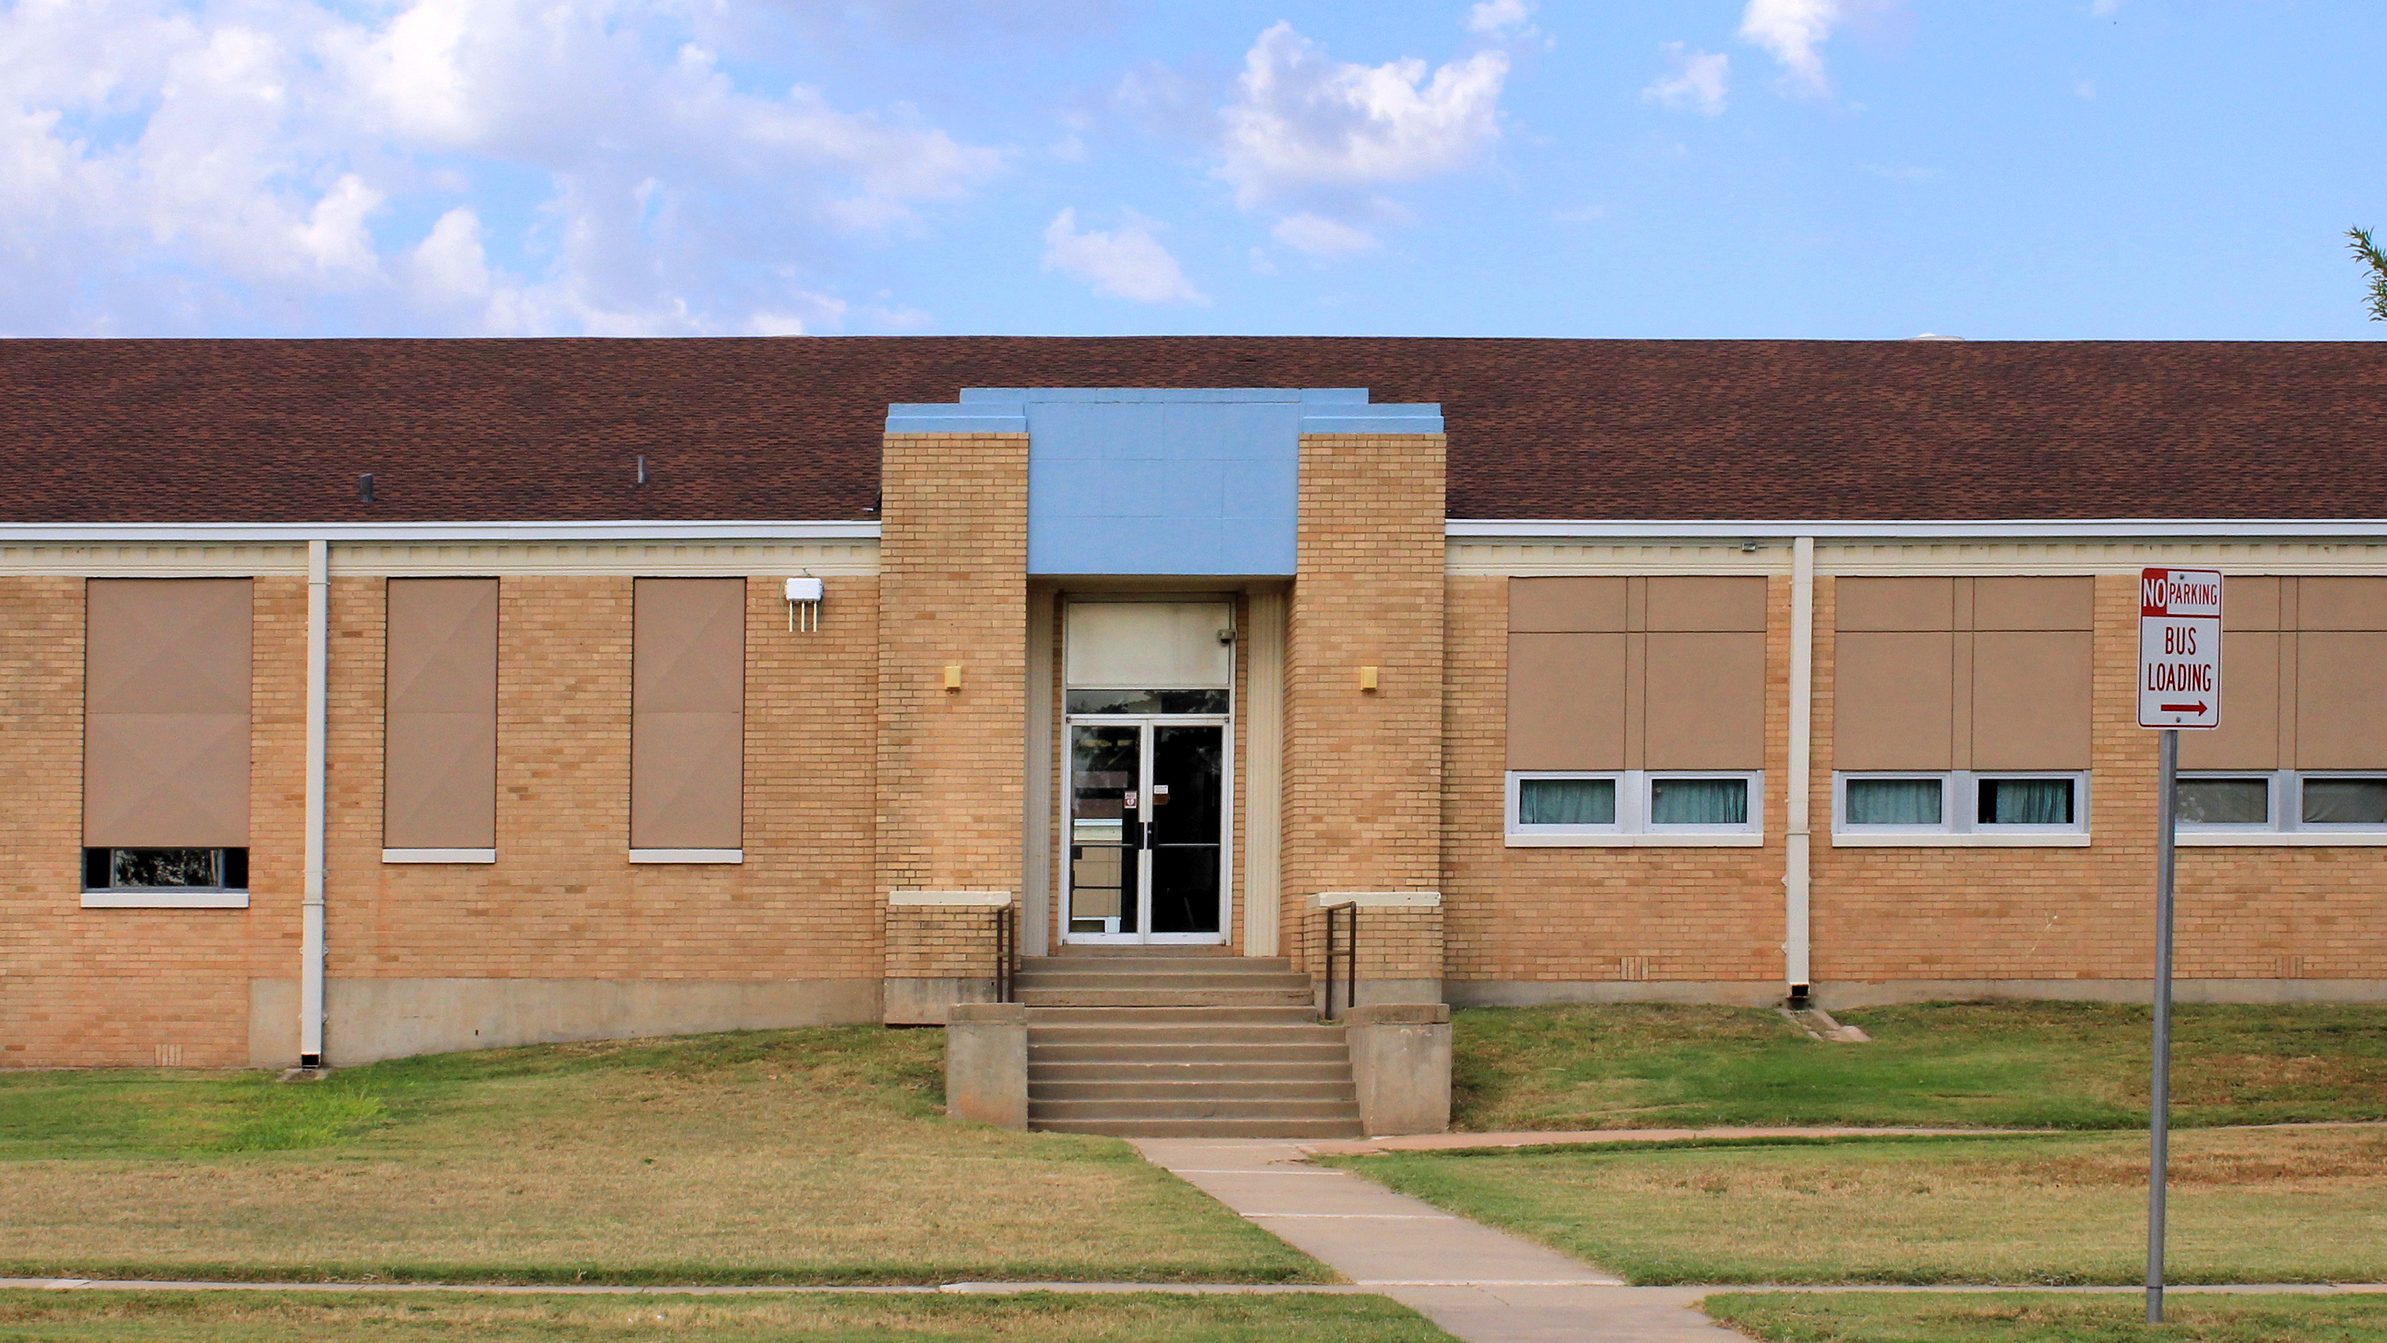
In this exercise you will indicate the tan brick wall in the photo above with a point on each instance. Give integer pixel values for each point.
(1587, 914)
(943, 941)
(1363, 772)
(1968, 914)
(135, 987)
(563, 901)
(953, 589)
(1394, 942)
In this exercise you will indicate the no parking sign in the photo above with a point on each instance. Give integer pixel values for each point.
(2179, 648)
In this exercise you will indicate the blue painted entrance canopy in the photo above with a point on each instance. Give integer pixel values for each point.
(1161, 481)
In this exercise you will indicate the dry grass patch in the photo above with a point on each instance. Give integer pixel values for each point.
(2298, 1205)
(256, 1317)
(791, 1156)
(2014, 1317)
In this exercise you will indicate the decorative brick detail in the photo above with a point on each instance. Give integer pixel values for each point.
(951, 762)
(1363, 775)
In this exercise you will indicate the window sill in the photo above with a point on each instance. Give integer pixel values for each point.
(1975, 840)
(165, 899)
(2288, 839)
(1640, 841)
(439, 855)
(687, 855)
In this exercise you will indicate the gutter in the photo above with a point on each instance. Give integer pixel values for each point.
(137, 533)
(2084, 529)
(1796, 836)
(311, 947)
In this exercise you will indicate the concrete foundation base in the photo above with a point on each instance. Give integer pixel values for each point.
(986, 1063)
(925, 1002)
(1535, 992)
(370, 1019)
(1400, 1061)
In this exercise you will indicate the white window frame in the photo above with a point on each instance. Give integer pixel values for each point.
(2287, 826)
(1633, 828)
(1960, 807)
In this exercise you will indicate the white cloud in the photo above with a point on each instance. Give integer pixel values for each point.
(1694, 80)
(1303, 125)
(1501, 18)
(1323, 238)
(170, 165)
(1794, 31)
(1128, 262)
(2105, 8)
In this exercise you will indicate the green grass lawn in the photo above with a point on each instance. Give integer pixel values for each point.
(2008, 1064)
(2021, 1317)
(2279, 1205)
(321, 1317)
(803, 1156)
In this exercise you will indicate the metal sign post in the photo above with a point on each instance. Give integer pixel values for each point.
(2179, 686)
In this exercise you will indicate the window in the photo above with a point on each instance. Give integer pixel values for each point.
(1961, 807)
(2281, 807)
(165, 869)
(1634, 807)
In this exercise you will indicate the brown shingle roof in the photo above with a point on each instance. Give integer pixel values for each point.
(260, 431)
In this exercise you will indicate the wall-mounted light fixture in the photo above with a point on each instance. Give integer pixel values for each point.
(803, 604)
(1367, 680)
(952, 676)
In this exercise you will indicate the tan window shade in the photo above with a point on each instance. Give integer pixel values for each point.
(1566, 701)
(439, 767)
(1705, 700)
(2248, 737)
(1893, 705)
(1636, 673)
(1962, 673)
(166, 713)
(687, 713)
(2338, 722)
(1566, 606)
(2030, 699)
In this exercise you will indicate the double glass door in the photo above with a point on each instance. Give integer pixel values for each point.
(1147, 818)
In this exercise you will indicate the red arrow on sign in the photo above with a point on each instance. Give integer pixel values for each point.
(2198, 707)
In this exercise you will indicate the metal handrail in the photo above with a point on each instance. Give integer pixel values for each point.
(1350, 957)
(1006, 953)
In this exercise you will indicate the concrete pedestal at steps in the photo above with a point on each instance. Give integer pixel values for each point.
(1174, 1042)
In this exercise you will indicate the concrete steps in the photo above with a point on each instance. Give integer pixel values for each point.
(1181, 1043)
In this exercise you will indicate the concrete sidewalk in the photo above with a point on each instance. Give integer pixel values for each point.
(1484, 1286)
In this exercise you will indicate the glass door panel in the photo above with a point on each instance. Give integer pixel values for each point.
(1105, 776)
(1185, 807)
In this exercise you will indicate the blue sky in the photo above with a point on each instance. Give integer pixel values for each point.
(1781, 168)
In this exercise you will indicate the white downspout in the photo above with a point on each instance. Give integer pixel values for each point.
(310, 993)
(1795, 943)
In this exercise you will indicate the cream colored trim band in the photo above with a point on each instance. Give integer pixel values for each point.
(959, 899)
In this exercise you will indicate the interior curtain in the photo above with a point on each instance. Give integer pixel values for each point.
(1566, 802)
(2027, 801)
(1699, 802)
(1894, 802)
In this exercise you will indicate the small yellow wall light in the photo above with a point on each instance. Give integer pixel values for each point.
(1367, 679)
(952, 676)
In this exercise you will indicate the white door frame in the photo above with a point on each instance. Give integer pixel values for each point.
(1141, 892)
